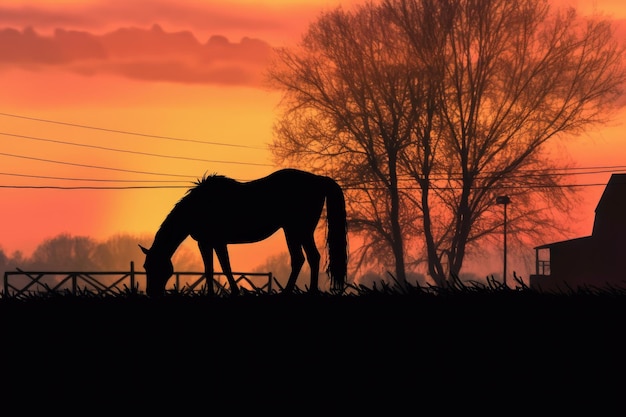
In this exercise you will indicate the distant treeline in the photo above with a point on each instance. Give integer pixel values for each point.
(65, 252)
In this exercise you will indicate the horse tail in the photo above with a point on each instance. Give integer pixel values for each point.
(336, 238)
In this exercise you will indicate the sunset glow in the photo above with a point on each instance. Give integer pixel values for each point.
(101, 96)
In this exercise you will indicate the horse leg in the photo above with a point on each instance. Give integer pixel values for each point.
(313, 258)
(222, 256)
(297, 260)
(206, 251)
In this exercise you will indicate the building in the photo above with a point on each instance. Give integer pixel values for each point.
(596, 261)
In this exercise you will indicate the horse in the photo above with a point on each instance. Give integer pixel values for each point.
(219, 211)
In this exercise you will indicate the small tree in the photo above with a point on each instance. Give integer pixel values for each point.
(64, 252)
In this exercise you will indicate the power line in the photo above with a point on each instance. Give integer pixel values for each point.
(530, 173)
(45, 177)
(94, 166)
(126, 132)
(86, 187)
(500, 187)
(131, 152)
(353, 187)
(609, 169)
(521, 173)
(577, 168)
(345, 188)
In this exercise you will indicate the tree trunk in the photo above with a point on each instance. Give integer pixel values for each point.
(396, 227)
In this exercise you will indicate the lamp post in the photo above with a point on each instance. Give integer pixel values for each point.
(504, 200)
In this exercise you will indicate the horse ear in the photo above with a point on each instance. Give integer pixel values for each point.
(144, 250)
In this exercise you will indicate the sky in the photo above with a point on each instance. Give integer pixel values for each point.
(113, 94)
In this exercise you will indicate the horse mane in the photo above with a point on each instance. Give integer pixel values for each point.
(211, 182)
(208, 178)
(208, 183)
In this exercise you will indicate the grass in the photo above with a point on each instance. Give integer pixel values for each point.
(482, 306)
(456, 288)
(369, 349)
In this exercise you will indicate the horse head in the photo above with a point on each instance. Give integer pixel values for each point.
(158, 271)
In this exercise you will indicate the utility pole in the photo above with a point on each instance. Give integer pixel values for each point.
(504, 200)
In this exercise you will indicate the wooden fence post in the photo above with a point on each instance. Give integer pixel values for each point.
(133, 290)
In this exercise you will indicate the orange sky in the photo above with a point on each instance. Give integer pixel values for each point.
(135, 67)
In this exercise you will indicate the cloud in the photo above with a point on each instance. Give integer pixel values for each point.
(21, 47)
(232, 18)
(142, 54)
(154, 39)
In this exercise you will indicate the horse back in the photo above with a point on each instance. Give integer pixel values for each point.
(288, 193)
(251, 211)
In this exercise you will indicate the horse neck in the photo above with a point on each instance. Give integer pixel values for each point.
(168, 238)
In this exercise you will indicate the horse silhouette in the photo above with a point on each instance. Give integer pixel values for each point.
(219, 211)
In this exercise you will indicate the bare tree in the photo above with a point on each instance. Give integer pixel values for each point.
(425, 110)
(515, 75)
(349, 110)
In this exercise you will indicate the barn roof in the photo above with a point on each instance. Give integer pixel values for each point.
(614, 194)
(564, 242)
(612, 203)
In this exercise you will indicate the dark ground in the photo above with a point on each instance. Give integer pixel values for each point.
(505, 353)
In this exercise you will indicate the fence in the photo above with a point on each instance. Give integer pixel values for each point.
(24, 283)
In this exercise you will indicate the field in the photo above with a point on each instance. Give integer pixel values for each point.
(381, 352)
